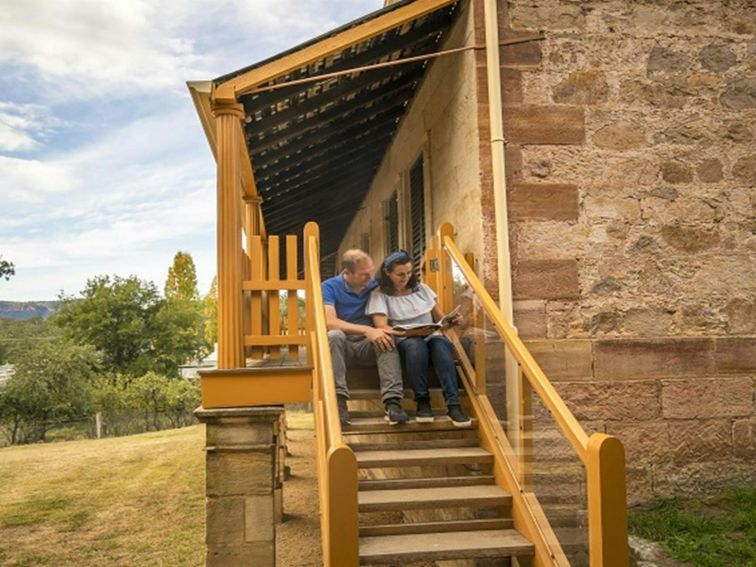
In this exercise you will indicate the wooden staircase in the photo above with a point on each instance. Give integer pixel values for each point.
(427, 491)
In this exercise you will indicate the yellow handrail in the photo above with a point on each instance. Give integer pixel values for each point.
(570, 426)
(337, 465)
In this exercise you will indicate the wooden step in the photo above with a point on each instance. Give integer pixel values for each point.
(437, 527)
(437, 497)
(399, 483)
(436, 394)
(379, 413)
(404, 548)
(439, 443)
(414, 457)
(367, 425)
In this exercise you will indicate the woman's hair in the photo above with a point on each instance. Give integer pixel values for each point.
(389, 263)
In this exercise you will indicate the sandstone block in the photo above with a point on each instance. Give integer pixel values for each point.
(619, 136)
(735, 355)
(543, 202)
(238, 431)
(741, 316)
(511, 86)
(582, 87)
(546, 279)
(676, 172)
(739, 94)
(639, 482)
(646, 443)
(246, 555)
(612, 401)
(744, 438)
(690, 239)
(530, 318)
(520, 54)
(699, 477)
(646, 358)
(552, 17)
(564, 360)
(531, 124)
(718, 397)
(745, 169)
(664, 60)
(700, 441)
(710, 170)
(239, 472)
(717, 58)
(606, 207)
(259, 518)
(225, 521)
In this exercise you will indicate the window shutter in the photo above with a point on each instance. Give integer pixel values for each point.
(417, 212)
(392, 223)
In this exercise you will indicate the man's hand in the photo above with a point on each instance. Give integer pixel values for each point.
(381, 338)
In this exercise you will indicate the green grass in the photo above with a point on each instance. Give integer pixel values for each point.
(712, 531)
(136, 500)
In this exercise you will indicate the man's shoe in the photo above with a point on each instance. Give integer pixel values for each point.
(343, 411)
(459, 417)
(424, 412)
(395, 413)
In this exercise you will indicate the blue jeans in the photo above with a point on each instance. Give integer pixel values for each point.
(417, 352)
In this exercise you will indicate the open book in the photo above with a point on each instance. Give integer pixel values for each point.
(425, 329)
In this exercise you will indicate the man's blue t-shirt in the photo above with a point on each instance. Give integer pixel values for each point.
(350, 307)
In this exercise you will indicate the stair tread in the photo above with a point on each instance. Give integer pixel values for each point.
(444, 545)
(378, 424)
(375, 393)
(423, 456)
(426, 482)
(466, 525)
(437, 495)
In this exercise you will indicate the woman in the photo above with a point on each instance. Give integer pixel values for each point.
(400, 300)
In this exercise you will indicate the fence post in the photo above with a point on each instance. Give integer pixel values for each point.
(607, 502)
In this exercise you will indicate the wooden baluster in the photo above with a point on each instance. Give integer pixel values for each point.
(256, 256)
(274, 304)
(292, 323)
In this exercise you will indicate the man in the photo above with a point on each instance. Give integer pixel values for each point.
(353, 339)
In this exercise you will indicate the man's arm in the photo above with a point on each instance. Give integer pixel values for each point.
(381, 338)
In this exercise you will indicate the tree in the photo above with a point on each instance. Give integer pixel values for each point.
(182, 278)
(53, 382)
(117, 317)
(7, 269)
(210, 313)
(177, 338)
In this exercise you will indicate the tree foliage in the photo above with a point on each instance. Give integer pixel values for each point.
(182, 278)
(7, 269)
(210, 313)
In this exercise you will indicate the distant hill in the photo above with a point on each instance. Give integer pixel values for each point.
(27, 309)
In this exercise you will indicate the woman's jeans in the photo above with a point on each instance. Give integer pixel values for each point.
(417, 352)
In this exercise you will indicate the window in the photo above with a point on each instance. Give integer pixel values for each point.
(417, 212)
(391, 217)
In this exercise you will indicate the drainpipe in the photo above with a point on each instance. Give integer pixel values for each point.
(503, 261)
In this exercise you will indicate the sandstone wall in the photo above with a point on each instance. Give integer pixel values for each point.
(440, 121)
(632, 203)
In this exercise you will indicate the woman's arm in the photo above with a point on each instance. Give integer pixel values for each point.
(436, 313)
(380, 321)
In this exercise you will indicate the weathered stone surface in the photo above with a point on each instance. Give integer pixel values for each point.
(601, 206)
(739, 94)
(620, 136)
(666, 193)
(710, 170)
(543, 201)
(704, 398)
(741, 316)
(225, 521)
(605, 322)
(690, 239)
(540, 168)
(666, 60)
(553, 16)
(582, 87)
(511, 85)
(612, 401)
(520, 54)
(745, 169)
(675, 478)
(530, 124)
(675, 171)
(238, 431)
(606, 286)
(645, 358)
(639, 483)
(645, 443)
(738, 132)
(744, 438)
(717, 58)
(700, 440)
(647, 321)
(246, 555)
(259, 523)
(239, 473)
(530, 318)
(564, 360)
(545, 279)
(735, 355)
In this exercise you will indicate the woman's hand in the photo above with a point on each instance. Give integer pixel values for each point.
(382, 338)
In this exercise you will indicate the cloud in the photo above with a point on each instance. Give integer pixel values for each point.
(21, 123)
(29, 180)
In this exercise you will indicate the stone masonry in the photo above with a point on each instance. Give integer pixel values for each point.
(632, 202)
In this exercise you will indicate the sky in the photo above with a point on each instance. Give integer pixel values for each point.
(104, 168)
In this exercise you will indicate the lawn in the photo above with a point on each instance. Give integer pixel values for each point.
(710, 531)
(136, 500)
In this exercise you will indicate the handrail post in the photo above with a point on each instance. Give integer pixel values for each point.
(607, 502)
(445, 280)
(344, 523)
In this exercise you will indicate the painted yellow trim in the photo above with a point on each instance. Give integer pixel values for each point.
(231, 89)
(227, 390)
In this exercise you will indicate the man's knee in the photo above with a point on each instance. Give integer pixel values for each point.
(336, 336)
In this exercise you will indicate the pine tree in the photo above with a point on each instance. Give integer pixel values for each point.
(182, 278)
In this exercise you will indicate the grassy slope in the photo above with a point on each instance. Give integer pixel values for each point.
(135, 500)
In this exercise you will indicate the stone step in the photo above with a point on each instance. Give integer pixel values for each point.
(404, 548)
(435, 498)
